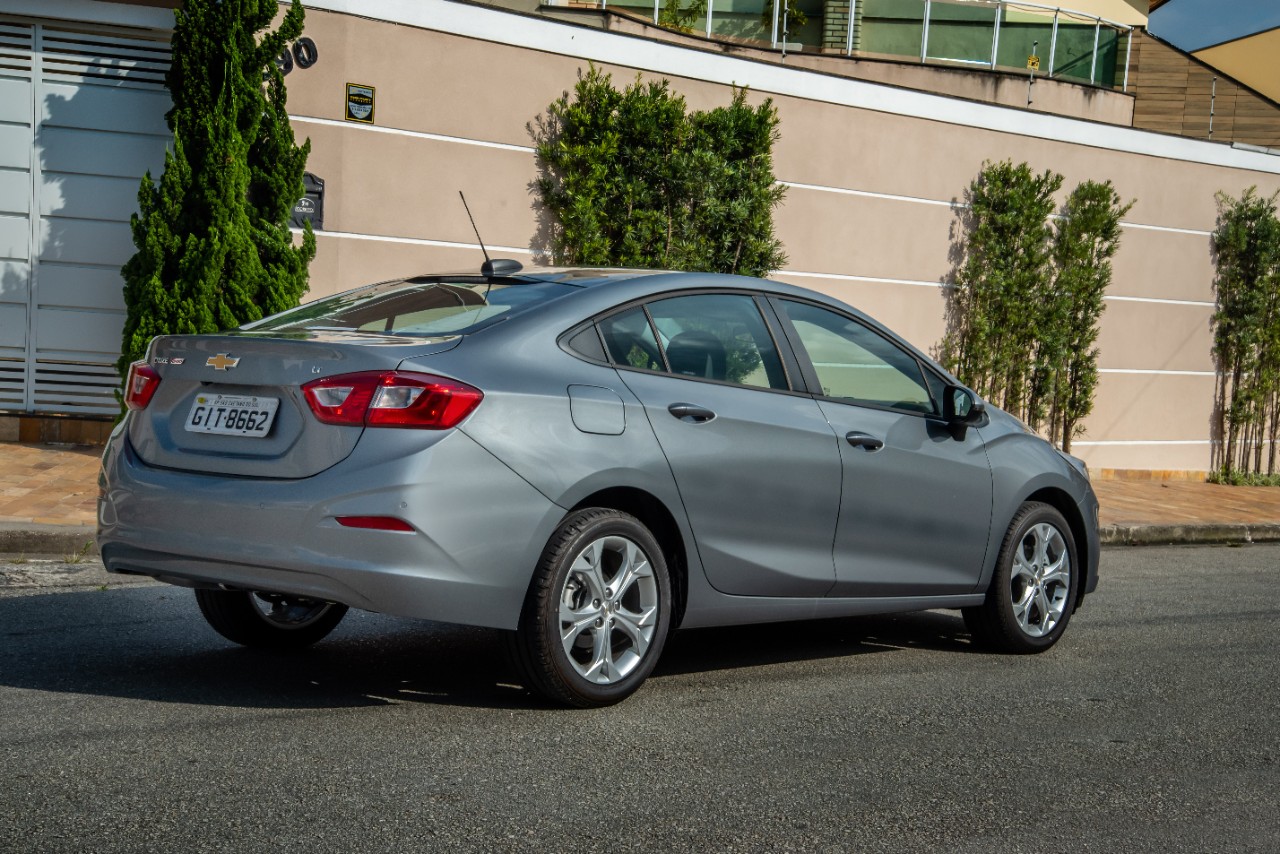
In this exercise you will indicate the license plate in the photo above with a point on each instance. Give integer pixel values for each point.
(232, 415)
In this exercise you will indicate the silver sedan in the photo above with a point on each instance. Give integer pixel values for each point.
(587, 459)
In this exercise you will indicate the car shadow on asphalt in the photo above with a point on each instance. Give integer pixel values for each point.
(701, 650)
(151, 644)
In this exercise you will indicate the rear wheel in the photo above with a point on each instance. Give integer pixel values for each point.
(596, 616)
(1033, 590)
(269, 620)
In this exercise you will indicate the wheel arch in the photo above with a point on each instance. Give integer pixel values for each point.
(1062, 501)
(655, 516)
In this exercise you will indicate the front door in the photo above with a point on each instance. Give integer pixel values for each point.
(916, 506)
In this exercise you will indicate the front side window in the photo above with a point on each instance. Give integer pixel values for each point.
(856, 364)
(719, 337)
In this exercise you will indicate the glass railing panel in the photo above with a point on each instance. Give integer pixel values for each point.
(743, 20)
(1110, 70)
(684, 16)
(961, 33)
(1025, 33)
(1073, 56)
(892, 27)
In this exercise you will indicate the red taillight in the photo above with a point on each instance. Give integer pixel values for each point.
(391, 399)
(140, 385)
(375, 523)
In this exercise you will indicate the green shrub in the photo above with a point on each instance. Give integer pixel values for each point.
(630, 178)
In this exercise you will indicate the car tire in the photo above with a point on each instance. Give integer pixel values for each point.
(597, 612)
(1033, 591)
(268, 620)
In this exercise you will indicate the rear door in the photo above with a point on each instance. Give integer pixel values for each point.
(757, 466)
(916, 505)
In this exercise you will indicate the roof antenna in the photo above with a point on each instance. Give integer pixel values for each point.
(501, 267)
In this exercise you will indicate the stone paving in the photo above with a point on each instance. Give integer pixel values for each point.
(48, 484)
(57, 485)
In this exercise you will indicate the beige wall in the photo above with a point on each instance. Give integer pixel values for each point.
(873, 228)
(1253, 60)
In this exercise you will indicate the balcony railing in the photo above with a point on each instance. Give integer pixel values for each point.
(1050, 41)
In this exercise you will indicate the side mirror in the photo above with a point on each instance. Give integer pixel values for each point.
(960, 409)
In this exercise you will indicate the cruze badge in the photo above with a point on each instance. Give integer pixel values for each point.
(221, 362)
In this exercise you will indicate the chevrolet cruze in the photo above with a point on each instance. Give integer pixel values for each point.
(588, 460)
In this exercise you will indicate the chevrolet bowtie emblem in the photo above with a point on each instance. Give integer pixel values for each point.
(221, 362)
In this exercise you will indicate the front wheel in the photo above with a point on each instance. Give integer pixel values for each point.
(1033, 590)
(268, 620)
(596, 615)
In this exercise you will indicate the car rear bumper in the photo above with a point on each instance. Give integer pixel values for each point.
(478, 529)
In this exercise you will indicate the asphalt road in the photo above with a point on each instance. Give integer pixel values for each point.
(127, 725)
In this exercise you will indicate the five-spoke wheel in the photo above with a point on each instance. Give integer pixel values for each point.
(1033, 589)
(596, 615)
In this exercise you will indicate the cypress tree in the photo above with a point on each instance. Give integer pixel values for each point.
(213, 245)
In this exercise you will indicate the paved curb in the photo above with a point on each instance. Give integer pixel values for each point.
(1190, 534)
(29, 539)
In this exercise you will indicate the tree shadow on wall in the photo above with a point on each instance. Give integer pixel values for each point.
(99, 128)
(962, 226)
(544, 129)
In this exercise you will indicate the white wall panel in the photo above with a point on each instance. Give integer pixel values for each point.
(85, 287)
(104, 108)
(15, 146)
(88, 196)
(86, 241)
(15, 279)
(15, 191)
(15, 237)
(13, 326)
(85, 152)
(15, 101)
(79, 331)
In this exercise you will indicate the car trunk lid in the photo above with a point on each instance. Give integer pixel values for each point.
(245, 375)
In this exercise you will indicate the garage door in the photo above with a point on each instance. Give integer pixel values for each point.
(81, 120)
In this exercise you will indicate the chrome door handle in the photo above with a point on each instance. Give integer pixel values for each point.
(863, 440)
(691, 413)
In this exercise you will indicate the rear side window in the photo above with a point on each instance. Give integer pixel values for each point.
(718, 337)
(630, 341)
(417, 308)
(855, 363)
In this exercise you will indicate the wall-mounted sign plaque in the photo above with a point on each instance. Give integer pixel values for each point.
(359, 103)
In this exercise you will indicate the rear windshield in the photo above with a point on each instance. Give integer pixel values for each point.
(417, 308)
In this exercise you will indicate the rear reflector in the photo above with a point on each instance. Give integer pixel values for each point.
(377, 523)
(140, 385)
(391, 399)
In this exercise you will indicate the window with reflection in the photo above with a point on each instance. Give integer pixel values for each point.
(856, 364)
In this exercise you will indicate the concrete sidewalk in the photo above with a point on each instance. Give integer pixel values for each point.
(48, 495)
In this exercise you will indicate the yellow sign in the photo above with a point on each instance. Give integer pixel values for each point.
(1033, 62)
(359, 103)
